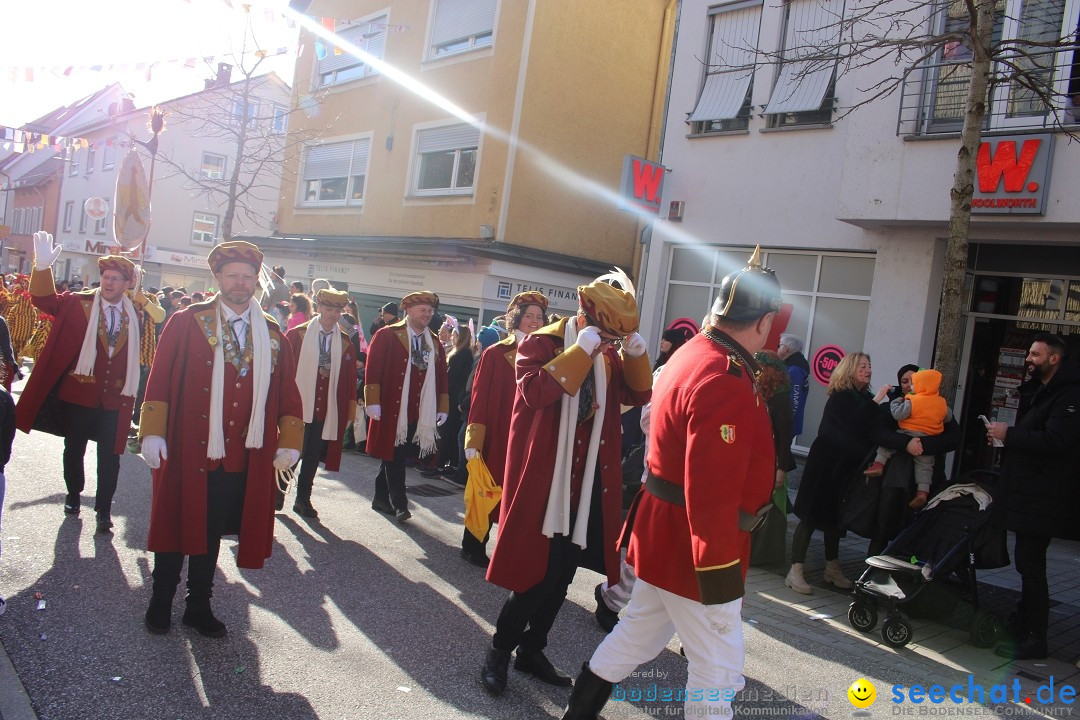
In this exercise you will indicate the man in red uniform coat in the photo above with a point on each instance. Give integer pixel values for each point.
(562, 486)
(406, 398)
(325, 368)
(493, 391)
(84, 384)
(221, 413)
(711, 464)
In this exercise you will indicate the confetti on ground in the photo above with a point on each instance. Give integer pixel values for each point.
(820, 616)
(115, 679)
(240, 668)
(43, 636)
(402, 688)
(40, 604)
(38, 596)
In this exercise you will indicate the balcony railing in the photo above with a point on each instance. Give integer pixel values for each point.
(933, 96)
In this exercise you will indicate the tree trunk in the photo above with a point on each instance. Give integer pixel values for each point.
(950, 330)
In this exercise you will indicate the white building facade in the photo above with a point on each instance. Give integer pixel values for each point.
(852, 213)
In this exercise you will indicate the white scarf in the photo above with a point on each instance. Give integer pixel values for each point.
(88, 353)
(425, 435)
(307, 372)
(557, 514)
(260, 362)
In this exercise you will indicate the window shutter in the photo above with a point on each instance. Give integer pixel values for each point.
(731, 63)
(812, 26)
(328, 161)
(450, 137)
(459, 19)
(361, 150)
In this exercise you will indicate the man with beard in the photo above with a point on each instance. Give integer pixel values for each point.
(1042, 452)
(222, 412)
(83, 388)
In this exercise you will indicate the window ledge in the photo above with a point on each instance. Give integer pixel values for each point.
(449, 199)
(432, 63)
(347, 85)
(719, 133)
(790, 128)
(328, 209)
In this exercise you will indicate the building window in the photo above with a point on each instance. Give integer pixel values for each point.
(804, 93)
(99, 225)
(239, 108)
(108, 158)
(213, 166)
(204, 228)
(73, 165)
(335, 173)
(446, 160)
(460, 26)
(280, 122)
(724, 101)
(82, 218)
(69, 213)
(90, 156)
(339, 66)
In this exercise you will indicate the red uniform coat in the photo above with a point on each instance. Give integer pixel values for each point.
(384, 373)
(177, 407)
(710, 433)
(346, 392)
(71, 314)
(492, 401)
(544, 375)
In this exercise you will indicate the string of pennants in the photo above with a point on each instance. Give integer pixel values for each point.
(14, 139)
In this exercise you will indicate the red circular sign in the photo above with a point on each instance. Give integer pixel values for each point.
(825, 361)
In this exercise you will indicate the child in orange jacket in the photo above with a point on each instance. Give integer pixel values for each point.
(921, 413)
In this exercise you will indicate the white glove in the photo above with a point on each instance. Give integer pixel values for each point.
(470, 453)
(634, 345)
(724, 617)
(285, 458)
(153, 450)
(589, 339)
(440, 418)
(45, 253)
(374, 412)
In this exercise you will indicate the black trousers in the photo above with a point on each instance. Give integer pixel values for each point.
(314, 453)
(83, 425)
(1030, 555)
(471, 545)
(224, 509)
(390, 482)
(526, 618)
(800, 542)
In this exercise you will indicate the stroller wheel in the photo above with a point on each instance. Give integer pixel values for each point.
(985, 629)
(896, 632)
(862, 616)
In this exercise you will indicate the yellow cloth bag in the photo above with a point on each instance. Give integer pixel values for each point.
(481, 496)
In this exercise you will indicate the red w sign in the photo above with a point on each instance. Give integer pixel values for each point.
(1012, 173)
(642, 183)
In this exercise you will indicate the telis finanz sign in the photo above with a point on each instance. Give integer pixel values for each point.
(1012, 174)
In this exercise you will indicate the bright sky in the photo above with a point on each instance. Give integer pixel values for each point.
(85, 33)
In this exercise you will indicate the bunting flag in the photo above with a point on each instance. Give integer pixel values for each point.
(20, 141)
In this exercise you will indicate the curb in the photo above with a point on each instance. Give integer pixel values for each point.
(14, 702)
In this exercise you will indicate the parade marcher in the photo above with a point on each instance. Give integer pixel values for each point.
(492, 400)
(690, 540)
(1042, 452)
(222, 412)
(326, 377)
(562, 484)
(91, 363)
(405, 397)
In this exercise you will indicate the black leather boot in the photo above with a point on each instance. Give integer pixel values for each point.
(496, 665)
(158, 616)
(590, 694)
(537, 664)
(199, 616)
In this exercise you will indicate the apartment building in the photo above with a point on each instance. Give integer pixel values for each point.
(477, 160)
(852, 213)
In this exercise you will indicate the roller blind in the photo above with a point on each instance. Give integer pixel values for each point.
(328, 161)
(450, 137)
(369, 36)
(813, 26)
(459, 19)
(731, 63)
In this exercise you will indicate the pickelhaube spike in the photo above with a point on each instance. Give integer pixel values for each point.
(749, 293)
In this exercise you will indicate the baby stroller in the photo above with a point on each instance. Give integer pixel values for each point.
(946, 541)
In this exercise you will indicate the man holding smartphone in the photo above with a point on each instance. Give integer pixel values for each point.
(1041, 492)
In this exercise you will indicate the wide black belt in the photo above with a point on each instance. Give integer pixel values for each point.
(673, 493)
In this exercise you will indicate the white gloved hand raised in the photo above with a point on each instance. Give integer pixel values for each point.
(285, 458)
(440, 418)
(724, 617)
(45, 253)
(470, 453)
(589, 339)
(374, 412)
(634, 345)
(154, 451)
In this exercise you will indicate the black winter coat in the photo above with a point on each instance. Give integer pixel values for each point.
(842, 445)
(1042, 458)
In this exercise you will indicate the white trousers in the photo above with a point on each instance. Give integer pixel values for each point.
(714, 674)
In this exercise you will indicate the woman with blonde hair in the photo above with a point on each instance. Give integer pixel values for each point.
(843, 442)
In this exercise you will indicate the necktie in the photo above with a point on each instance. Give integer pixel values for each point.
(114, 320)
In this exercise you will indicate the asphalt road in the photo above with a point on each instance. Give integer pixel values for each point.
(352, 617)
